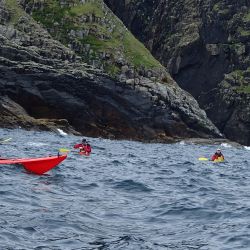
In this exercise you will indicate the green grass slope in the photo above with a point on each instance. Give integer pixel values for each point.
(94, 33)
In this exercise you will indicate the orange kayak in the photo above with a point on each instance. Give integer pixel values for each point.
(37, 165)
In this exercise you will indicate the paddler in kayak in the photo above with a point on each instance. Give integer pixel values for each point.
(218, 156)
(85, 148)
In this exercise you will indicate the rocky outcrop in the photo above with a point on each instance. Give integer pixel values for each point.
(91, 30)
(205, 45)
(43, 79)
(15, 116)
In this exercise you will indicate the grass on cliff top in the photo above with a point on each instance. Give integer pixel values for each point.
(239, 75)
(243, 32)
(15, 10)
(51, 14)
(87, 8)
(136, 53)
(244, 89)
(119, 40)
(99, 45)
(247, 17)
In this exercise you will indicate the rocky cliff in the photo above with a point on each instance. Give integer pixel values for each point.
(93, 32)
(205, 45)
(48, 81)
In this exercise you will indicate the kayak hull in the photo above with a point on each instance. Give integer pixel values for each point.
(219, 159)
(37, 166)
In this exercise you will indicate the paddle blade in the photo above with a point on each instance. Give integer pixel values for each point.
(203, 159)
(64, 150)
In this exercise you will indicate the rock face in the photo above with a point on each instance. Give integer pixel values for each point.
(15, 116)
(45, 84)
(205, 45)
(93, 32)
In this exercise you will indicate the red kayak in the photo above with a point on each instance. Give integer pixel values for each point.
(36, 165)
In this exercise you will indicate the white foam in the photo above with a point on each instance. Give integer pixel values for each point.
(182, 143)
(61, 132)
(247, 148)
(226, 145)
(37, 144)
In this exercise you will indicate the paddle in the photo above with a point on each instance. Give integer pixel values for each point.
(203, 159)
(64, 150)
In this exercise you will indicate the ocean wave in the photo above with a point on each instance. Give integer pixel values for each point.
(37, 144)
(131, 185)
(61, 132)
(127, 195)
(226, 145)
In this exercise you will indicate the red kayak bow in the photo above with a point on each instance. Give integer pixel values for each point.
(36, 165)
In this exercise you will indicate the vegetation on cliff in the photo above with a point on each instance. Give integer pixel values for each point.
(94, 33)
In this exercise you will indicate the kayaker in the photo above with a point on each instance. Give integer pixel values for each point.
(84, 147)
(81, 145)
(87, 149)
(217, 155)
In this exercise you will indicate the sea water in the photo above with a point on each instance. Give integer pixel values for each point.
(126, 195)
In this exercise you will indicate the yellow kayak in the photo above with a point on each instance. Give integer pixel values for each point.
(220, 159)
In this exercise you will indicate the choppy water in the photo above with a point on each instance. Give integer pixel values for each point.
(127, 195)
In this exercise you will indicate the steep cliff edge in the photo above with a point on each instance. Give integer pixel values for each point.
(205, 45)
(43, 79)
(93, 32)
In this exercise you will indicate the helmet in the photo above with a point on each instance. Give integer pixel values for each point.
(218, 149)
(84, 141)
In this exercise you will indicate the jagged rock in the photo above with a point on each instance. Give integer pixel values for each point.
(201, 43)
(14, 116)
(213, 49)
(124, 69)
(46, 80)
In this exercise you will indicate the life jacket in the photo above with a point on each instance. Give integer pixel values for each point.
(84, 149)
(216, 156)
(87, 148)
(78, 145)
